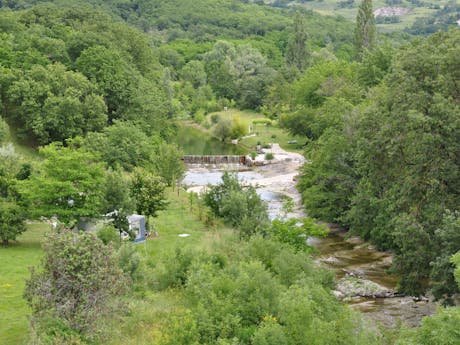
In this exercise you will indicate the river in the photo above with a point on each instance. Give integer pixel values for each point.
(361, 270)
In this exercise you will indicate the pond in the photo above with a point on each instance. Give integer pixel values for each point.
(195, 142)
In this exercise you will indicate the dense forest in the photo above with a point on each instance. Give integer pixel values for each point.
(92, 94)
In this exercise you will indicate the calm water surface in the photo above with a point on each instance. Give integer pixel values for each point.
(195, 142)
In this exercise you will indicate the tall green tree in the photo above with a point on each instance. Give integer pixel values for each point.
(12, 219)
(365, 29)
(168, 163)
(297, 53)
(148, 191)
(408, 159)
(69, 184)
(53, 104)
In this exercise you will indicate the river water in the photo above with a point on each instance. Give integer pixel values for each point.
(347, 257)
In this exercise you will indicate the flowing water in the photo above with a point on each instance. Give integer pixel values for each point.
(345, 256)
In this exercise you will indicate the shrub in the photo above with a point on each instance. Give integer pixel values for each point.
(215, 118)
(269, 156)
(239, 206)
(108, 234)
(130, 260)
(78, 283)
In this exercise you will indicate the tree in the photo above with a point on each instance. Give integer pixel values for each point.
(239, 206)
(168, 163)
(77, 284)
(194, 73)
(11, 221)
(116, 192)
(296, 51)
(124, 144)
(148, 192)
(69, 184)
(365, 28)
(114, 77)
(239, 72)
(222, 129)
(53, 104)
(408, 163)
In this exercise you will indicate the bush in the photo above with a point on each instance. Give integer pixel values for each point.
(238, 128)
(239, 206)
(175, 271)
(223, 129)
(108, 234)
(130, 260)
(215, 118)
(78, 284)
(269, 156)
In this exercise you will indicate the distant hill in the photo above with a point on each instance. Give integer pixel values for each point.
(413, 16)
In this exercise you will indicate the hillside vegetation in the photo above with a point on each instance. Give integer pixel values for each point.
(93, 93)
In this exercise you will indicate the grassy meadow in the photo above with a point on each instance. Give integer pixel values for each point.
(15, 262)
(264, 134)
(147, 308)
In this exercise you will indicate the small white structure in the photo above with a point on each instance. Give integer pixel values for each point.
(137, 225)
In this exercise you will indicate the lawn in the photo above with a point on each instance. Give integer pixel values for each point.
(15, 262)
(179, 218)
(149, 308)
(264, 134)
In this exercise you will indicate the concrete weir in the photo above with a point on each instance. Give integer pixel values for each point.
(216, 159)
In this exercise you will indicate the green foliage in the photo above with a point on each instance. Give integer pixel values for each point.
(365, 30)
(116, 194)
(124, 144)
(69, 185)
(12, 219)
(4, 130)
(327, 183)
(295, 231)
(109, 235)
(68, 70)
(194, 73)
(269, 156)
(239, 206)
(440, 328)
(386, 168)
(148, 192)
(456, 261)
(375, 64)
(243, 293)
(409, 174)
(53, 104)
(77, 283)
(130, 261)
(222, 130)
(269, 332)
(180, 328)
(175, 272)
(296, 51)
(238, 72)
(167, 163)
(447, 241)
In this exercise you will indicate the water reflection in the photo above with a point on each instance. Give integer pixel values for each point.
(195, 142)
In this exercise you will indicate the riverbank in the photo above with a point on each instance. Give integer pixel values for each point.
(362, 271)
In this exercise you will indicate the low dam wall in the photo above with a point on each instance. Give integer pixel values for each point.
(215, 159)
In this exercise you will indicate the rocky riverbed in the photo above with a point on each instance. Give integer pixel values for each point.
(362, 274)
